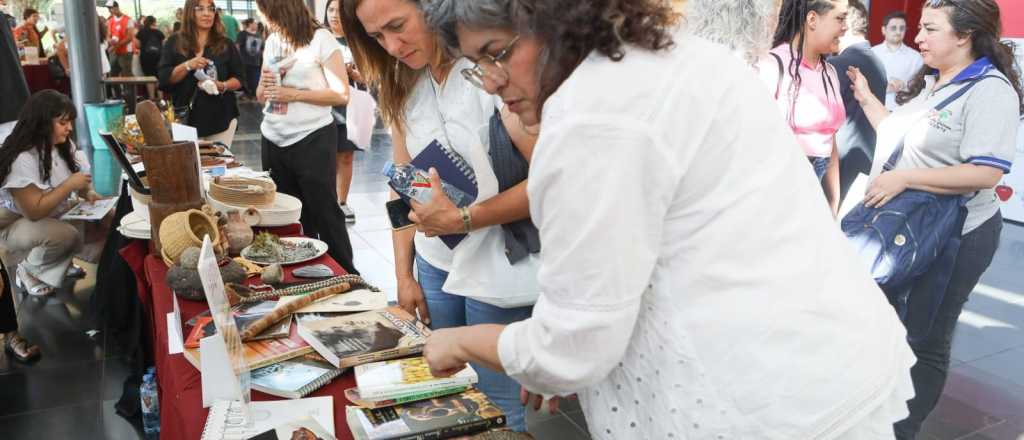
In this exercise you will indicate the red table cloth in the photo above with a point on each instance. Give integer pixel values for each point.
(38, 78)
(182, 415)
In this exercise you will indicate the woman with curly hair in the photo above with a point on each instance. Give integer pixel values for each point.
(303, 77)
(692, 285)
(425, 97)
(964, 149)
(806, 87)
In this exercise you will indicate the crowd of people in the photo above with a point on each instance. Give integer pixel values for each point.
(694, 280)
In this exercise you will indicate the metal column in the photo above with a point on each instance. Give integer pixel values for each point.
(83, 51)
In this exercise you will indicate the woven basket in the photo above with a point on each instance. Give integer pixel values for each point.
(182, 230)
(243, 191)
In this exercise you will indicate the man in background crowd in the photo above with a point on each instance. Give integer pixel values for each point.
(121, 33)
(856, 138)
(13, 88)
(28, 34)
(901, 62)
(250, 46)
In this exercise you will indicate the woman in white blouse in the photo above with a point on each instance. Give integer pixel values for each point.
(40, 170)
(303, 77)
(693, 284)
(424, 97)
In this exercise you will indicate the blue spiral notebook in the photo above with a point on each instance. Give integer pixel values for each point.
(453, 169)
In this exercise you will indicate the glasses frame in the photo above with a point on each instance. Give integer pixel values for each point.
(476, 74)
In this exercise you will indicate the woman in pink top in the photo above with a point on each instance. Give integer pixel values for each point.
(805, 86)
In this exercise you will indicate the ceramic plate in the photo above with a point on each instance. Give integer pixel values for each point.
(321, 248)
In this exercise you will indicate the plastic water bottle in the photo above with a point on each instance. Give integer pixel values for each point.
(150, 404)
(415, 184)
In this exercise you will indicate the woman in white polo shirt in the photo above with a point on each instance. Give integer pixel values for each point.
(963, 149)
(303, 77)
(424, 96)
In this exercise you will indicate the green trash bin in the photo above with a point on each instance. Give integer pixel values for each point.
(106, 172)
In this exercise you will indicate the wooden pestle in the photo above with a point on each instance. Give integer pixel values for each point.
(151, 122)
(172, 170)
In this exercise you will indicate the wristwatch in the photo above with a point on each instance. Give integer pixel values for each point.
(188, 67)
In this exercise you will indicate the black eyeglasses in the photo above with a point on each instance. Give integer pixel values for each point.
(490, 65)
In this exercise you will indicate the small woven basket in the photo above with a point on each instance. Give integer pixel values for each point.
(182, 230)
(243, 191)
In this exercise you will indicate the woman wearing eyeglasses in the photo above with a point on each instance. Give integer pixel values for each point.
(692, 285)
(199, 54)
(426, 95)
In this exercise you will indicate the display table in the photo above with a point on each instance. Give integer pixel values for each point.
(39, 78)
(127, 84)
(182, 415)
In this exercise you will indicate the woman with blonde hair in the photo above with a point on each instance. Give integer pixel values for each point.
(427, 95)
(303, 77)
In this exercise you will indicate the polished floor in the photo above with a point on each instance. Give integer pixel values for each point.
(70, 393)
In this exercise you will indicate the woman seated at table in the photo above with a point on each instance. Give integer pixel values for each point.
(201, 49)
(692, 286)
(40, 169)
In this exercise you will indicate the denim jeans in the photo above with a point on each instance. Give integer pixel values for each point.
(448, 310)
(820, 165)
(933, 351)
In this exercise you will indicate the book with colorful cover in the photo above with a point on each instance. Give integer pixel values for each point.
(402, 377)
(205, 327)
(350, 340)
(454, 170)
(444, 417)
(265, 352)
(293, 378)
(352, 394)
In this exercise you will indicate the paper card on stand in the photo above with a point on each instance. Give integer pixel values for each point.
(181, 133)
(227, 331)
(218, 378)
(174, 340)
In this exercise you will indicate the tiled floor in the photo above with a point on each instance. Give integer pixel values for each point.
(70, 394)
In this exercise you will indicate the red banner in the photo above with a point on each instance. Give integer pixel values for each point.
(1012, 12)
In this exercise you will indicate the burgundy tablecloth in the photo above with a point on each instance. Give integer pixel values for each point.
(38, 78)
(182, 415)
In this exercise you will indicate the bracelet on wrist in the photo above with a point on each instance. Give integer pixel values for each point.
(467, 219)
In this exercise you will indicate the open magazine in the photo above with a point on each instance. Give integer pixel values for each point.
(90, 211)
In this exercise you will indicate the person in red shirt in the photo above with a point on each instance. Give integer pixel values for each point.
(28, 34)
(121, 31)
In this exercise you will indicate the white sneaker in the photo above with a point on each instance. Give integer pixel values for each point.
(350, 215)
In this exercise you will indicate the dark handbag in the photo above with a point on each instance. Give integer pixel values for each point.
(57, 71)
(915, 233)
(510, 167)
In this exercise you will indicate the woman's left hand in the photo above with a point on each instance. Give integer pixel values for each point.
(440, 216)
(281, 94)
(884, 188)
(443, 352)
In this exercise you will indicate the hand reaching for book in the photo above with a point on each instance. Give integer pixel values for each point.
(443, 352)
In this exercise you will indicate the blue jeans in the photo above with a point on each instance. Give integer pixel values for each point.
(820, 165)
(448, 310)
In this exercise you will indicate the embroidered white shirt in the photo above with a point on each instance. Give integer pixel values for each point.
(693, 282)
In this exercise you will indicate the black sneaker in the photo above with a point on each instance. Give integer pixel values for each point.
(350, 215)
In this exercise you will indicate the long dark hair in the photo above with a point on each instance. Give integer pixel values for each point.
(293, 19)
(34, 130)
(792, 18)
(980, 20)
(188, 39)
